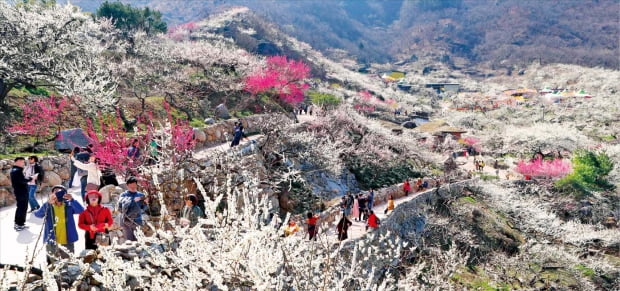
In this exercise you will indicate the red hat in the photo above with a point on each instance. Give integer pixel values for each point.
(95, 192)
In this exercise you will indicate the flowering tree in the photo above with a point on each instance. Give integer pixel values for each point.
(56, 46)
(285, 77)
(556, 168)
(111, 143)
(42, 118)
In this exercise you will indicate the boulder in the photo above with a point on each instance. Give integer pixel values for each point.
(6, 197)
(222, 112)
(209, 121)
(4, 180)
(408, 124)
(107, 192)
(64, 173)
(199, 135)
(51, 178)
(47, 165)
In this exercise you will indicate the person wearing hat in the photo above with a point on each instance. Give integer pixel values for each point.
(131, 206)
(191, 211)
(59, 228)
(94, 219)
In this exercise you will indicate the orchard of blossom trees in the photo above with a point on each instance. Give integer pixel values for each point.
(550, 220)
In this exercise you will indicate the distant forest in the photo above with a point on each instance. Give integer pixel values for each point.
(496, 34)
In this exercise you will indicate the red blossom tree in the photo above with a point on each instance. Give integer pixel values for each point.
(42, 118)
(285, 77)
(540, 168)
(111, 144)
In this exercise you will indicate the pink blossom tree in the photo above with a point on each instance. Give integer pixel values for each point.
(42, 118)
(282, 76)
(556, 168)
(110, 144)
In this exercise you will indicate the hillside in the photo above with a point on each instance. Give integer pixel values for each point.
(476, 33)
(510, 186)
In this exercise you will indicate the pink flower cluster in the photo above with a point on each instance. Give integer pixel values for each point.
(540, 168)
(41, 117)
(285, 77)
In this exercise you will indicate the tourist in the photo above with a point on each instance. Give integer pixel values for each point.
(343, 227)
(59, 224)
(131, 206)
(356, 208)
(373, 221)
(291, 228)
(133, 152)
(312, 225)
(371, 199)
(191, 212)
(74, 153)
(238, 133)
(362, 202)
(95, 220)
(406, 187)
(390, 206)
(33, 170)
(93, 176)
(418, 184)
(19, 182)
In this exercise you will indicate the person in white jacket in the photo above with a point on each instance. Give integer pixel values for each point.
(93, 179)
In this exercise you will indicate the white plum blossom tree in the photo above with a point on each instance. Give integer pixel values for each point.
(58, 47)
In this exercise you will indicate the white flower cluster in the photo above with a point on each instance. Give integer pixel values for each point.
(58, 47)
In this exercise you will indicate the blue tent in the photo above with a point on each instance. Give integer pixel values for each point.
(67, 139)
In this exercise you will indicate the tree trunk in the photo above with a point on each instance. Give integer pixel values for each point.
(128, 124)
(4, 91)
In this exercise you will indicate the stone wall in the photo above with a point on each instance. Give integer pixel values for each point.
(57, 170)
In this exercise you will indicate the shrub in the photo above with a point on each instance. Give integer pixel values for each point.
(589, 171)
(324, 100)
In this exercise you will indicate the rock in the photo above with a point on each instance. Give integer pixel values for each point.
(610, 222)
(4, 180)
(199, 135)
(73, 270)
(222, 112)
(88, 256)
(64, 173)
(51, 178)
(209, 121)
(6, 197)
(408, 124)
(47, 165)
(33, 278)
(108, 191)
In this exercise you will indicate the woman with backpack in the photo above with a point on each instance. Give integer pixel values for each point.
(95, 220)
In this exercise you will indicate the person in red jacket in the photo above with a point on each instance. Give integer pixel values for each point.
(373, 221)
(94, 219)
(406, 187)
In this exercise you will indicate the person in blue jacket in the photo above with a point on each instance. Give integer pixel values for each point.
(131, 206)
(59, 228)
